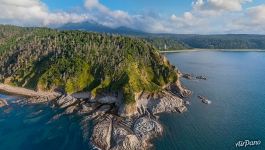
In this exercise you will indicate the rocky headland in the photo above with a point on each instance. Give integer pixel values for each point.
(127, 82)
(115, 125)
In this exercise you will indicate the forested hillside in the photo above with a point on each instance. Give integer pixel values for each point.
(179, 41)
(72, 61)
(229, 41)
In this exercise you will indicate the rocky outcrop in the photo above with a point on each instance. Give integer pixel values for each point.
(119, 126)
(3, 103)
(101, 135)
(115, 133)
(178, 89)
(187, 76)
(160, 102)
(129, 142)
(146, 128)
(66, 101)
(126, 110)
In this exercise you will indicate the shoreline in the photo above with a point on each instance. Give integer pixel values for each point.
(13, 90)
(215, 50)
(123, 126)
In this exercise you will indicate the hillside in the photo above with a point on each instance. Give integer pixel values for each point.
(180, 41)
(71, 61)
(226, 41)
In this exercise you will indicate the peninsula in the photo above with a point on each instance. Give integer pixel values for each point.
(125, 80)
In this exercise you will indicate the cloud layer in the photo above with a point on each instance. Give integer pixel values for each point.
(204, 17)
(34, 12)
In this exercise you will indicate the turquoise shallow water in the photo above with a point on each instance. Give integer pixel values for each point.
(236, 87)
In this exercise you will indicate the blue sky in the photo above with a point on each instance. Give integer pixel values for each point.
(156, 16)
(170, 6)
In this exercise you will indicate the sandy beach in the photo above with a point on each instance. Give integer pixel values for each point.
(26, 92)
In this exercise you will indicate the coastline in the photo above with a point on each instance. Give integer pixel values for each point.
(131, 126)
(4, 88)
(216, 50)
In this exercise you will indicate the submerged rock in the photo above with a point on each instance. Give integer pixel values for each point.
(3, 103)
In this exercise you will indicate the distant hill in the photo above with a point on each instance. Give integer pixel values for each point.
(226, 41)
(95, 27)
(179, 41)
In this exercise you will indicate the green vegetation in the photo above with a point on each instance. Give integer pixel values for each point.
(229, 41)
(179, 41)
(167, 43)
(72, 61)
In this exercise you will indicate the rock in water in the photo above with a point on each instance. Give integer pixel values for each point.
(204, 99)
(187, 76)
(201, 78)
(66, 101)
(3, 103)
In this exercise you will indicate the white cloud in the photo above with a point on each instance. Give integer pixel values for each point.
(34, 12)
(257, 14)
(205, 16)
(105, 16)
(219, 5)
(252, 21)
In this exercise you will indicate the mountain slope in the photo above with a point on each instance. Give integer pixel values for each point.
(72, 61)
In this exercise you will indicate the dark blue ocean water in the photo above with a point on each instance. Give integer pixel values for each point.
(32, 128)
(235, 85)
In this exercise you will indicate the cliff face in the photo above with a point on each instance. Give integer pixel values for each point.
(72, 61)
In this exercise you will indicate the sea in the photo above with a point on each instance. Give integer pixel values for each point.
(234, 120)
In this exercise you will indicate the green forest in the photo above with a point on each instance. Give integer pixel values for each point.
(71, 61)
(226, 41)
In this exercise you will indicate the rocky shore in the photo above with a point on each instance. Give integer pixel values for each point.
(116, 125)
